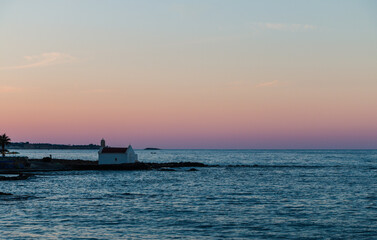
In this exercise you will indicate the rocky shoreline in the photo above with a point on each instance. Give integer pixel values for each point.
(34, 166)
(48, 164)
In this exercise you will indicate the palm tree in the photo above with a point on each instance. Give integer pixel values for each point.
(4, 140)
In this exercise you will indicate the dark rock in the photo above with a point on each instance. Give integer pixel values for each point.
(52, 164)
(192, 170)
(5, 194)
(47, 159)
(21, 176)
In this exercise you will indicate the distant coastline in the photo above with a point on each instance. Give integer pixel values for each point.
(27, 145)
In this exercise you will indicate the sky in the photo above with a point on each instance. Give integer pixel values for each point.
(190, 74)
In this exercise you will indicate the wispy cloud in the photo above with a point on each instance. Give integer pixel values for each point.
(98, 90)
(250, 84)
(42, 60)
(284, 26)
(268, 84)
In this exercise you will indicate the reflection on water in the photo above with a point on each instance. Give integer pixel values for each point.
(289, 194)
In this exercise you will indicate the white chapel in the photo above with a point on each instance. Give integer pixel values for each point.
(116, 155)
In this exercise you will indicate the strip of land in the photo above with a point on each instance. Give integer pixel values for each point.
(27, 145)
(48, 164)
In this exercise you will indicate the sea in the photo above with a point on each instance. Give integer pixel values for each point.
(248, 194)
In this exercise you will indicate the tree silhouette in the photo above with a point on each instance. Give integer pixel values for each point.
(4, 140)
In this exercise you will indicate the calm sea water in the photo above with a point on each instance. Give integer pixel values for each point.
(282, 194)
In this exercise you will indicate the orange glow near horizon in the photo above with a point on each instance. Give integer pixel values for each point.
(240, 116)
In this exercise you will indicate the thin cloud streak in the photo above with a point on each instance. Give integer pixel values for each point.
(98, 90)
(268, 84)
(43, 60)
(284, 26)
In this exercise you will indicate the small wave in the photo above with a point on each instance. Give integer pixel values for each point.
(17, 197)
(92, 198)
(123, 195)
(132, 194)
(116, 195)
(371, 197)
(205, 226)
(281, 166)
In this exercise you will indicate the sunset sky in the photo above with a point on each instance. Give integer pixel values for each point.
(190, 74)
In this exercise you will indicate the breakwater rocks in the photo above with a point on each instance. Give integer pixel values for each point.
(138, 166)
(5, 194)
(48, 164)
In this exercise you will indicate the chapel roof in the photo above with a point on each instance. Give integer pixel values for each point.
(114, 150)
